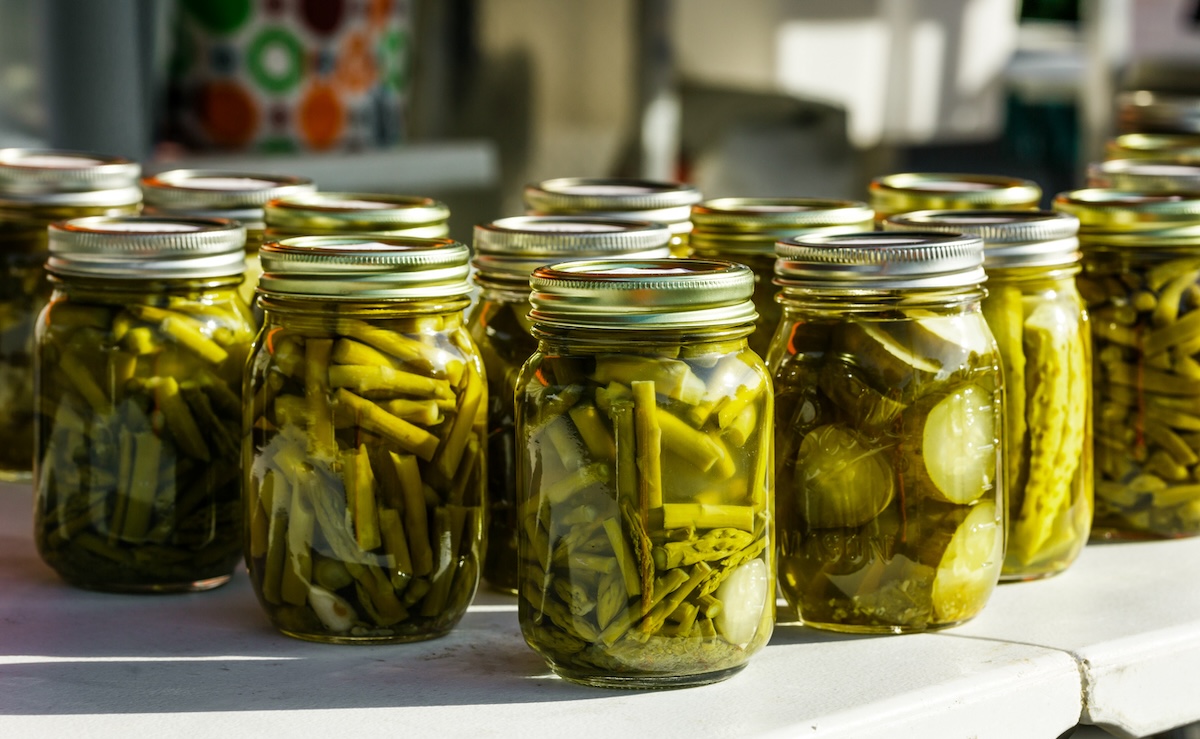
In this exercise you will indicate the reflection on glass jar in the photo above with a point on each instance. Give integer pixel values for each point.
(37, 188)
(138, 373)
(507, 251)
(644, 486)
(1041, 330)
(888, 420)
(364, 469)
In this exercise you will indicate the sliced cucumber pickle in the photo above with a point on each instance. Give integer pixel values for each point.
(842, 479)
(969, 567)
(867, 408)
(958, 444)
(889, 361)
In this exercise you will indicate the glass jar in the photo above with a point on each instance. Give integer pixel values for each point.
(745, 230)
(644, 493)
(1141, 281)
(669, 203)
(138, 399)
(888, 407)
(910, 191)
(208, 193)
(364, 465)
(1145, 175)
(1175, 147)
(507, 251)
(339, 213)
(1041, 329)
(37, 188)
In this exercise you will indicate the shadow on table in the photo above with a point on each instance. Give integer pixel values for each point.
(66, 651)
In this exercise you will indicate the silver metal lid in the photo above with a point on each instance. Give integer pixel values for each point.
(753, 225)
(510, 248)
(679, 219)
(642, 294)
(1011, 238)
(194, 190)
(120, 197)
(354, 212)
(880, 260)
(567, 195)
(1145, 175)
(147, 247)
(1146, 111)
(28, 171)
(364, 268)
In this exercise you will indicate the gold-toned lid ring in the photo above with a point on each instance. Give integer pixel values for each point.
(1176, 147)
(568, 195)
(1145, 175)
(1103, 210)
(675, 218)
(1149, 111)
(908, 191)
(642, 294)
(190, 190)
(362, 212)
(251, 218)
(775, 215)
(1011, 238)
(563, 236)
(717, 245)
(509, 249)
(435, 231)
(881, 260)
(147, 247)
(365, 268)
(30, 171)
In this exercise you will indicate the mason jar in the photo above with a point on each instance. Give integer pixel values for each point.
(37, 188)
(887, 437)
(210, 193)
(644, 489)
(1041, 329)
(506, 252)
(1145, 175)
(365, 417)
(138, 378)
(745, 230)
(339, 213)
(669, 203)
(910, 191)
(1175, 147)
(1141, 281)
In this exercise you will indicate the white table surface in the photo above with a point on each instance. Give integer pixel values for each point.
(1120, 631)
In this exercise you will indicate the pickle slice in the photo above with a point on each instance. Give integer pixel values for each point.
(867, 408)
(958, 444)
(948, 339)
(969, 567)
(889, 361)
(841, 478)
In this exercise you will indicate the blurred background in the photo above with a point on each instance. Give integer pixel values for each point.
(468, 100)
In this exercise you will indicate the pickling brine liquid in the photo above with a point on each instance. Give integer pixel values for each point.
(888, 492)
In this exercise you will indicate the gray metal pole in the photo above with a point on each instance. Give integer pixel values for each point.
(95, 85)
